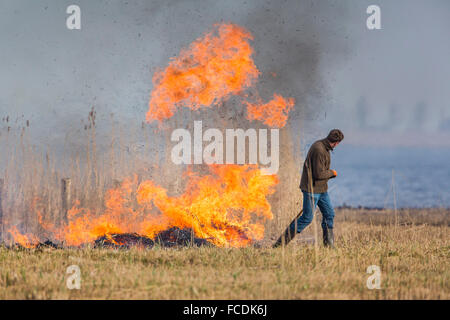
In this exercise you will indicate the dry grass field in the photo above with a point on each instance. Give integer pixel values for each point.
(412, 248)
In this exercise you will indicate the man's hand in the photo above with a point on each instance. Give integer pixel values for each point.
(334, 173)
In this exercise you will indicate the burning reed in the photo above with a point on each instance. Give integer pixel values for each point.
(146, 209)
(226, 205)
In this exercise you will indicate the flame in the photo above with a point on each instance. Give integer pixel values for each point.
(119, 217)
(228, 207)
(209, 71)
(273, 113)
(25, 240)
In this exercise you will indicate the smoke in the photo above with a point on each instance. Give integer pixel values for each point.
(53, 78)
(57, 75)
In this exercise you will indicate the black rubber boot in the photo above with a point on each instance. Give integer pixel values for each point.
(328, 237)
(287, 236)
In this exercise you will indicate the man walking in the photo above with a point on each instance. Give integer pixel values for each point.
(314, 186)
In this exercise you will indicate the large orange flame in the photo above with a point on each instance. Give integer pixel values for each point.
(25, 240)
(227, 207)
(210, 70)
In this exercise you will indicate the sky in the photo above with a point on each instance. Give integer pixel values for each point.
(388, 86)
(395, 82)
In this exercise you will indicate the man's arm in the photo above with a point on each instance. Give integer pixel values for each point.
(320, 172)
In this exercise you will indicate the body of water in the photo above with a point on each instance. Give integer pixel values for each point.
(368, 177)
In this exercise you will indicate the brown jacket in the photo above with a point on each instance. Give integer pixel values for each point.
(316, 169)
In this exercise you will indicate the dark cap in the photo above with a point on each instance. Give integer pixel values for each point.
(335, 135)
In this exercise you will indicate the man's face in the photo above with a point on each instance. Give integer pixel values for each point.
(334, 144)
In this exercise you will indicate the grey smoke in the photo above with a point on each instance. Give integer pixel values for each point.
(322, 54)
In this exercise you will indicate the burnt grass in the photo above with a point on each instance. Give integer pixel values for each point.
(173, 237)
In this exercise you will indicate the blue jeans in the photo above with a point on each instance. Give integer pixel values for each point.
(310, 201)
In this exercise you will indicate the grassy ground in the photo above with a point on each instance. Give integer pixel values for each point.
(412, 248)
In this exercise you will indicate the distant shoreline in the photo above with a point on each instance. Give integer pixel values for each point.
(346, 207)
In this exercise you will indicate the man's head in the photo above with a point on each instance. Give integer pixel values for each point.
(335, 137)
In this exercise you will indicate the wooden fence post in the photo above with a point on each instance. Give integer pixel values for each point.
(66, 199)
